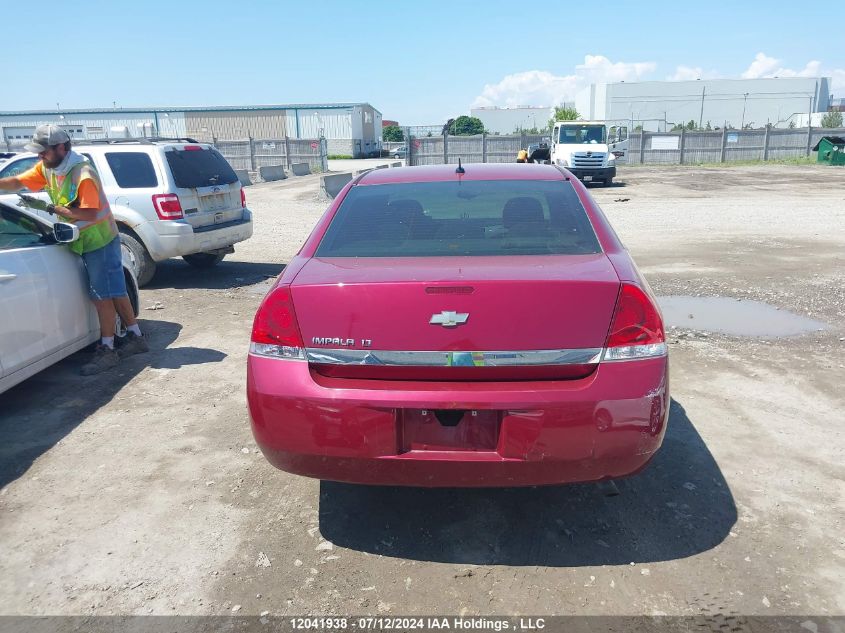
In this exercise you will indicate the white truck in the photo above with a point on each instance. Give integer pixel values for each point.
(589, 149)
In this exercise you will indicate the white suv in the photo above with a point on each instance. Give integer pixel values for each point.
(170, 198)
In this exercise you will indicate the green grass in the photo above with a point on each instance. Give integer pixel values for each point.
(340, 156)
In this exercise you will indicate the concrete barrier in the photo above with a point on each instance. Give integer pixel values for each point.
(395, 164)
(272, 172)
(300, 169)
(363, 171)
(381, 167)
(243, 176)
(333, 183)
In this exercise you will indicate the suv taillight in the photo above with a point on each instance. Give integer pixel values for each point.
(167, 206)
(275, 332)
(243, 198)
(636, 330)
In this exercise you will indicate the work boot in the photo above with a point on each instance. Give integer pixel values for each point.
(133, 344)
(104, 358)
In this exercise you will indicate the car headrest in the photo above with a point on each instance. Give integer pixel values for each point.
(520, 210)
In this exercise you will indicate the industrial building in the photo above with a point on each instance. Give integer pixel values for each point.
(513, 120)
(352, 129)
(737, 103)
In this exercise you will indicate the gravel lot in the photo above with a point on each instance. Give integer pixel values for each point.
(143, 492)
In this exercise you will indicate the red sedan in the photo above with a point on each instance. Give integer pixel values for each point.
(474, 326)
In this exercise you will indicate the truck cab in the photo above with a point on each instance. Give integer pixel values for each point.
(588, 149)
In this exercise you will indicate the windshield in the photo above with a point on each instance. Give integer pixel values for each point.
(441, 219)
(575, 134)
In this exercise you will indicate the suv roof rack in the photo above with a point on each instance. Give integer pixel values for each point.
(148, 140)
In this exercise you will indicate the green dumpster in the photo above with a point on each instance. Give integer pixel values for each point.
(831, 150)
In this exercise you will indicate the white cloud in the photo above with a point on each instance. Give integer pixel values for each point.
(542, 88)
(764, 66)
(688, 73)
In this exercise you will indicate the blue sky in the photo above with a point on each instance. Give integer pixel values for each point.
(417, 62)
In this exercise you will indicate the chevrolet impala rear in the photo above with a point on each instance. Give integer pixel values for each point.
(479, 326)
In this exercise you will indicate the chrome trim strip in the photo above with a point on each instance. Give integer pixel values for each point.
(443, 359)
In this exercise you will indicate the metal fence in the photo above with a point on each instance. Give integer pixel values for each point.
(682, 147)
(250, 154)
(481, 148)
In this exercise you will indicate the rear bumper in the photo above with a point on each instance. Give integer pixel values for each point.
(605, 426)
(597, 173)
(165, 239)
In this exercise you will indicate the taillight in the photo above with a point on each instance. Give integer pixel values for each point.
(243, 198)
(192, 148)
(637, 329)
(275, 331)
(167, 206)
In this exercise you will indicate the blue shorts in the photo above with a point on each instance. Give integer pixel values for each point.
(105, 272)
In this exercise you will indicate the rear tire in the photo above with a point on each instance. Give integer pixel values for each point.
(608, 182)
(204, 260)
(135, 254)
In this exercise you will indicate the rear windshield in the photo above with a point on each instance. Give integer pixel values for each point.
(436, 219)
(199, 168)
(132, 170)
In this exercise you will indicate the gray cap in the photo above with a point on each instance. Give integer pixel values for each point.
(46, 136)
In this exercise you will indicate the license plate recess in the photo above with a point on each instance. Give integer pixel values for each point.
(452, 430)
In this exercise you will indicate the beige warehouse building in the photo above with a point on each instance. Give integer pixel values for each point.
(352, 129)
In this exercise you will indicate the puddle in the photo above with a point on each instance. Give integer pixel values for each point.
(732, 316)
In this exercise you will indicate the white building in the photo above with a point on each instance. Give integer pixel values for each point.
(658, 105)
(350, 128)
(512, 120)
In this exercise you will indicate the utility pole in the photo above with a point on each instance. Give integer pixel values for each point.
(742, 125)
(701, 115)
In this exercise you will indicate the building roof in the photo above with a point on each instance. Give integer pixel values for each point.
(142, 110)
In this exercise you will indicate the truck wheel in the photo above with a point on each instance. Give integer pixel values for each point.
(608, 182)
(137, 257)
(204, 260)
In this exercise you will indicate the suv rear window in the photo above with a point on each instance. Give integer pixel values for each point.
(437, 219)
(132, 170)
(199, 168)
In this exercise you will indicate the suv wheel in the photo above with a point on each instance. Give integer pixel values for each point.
(204, 260)
(135, 254)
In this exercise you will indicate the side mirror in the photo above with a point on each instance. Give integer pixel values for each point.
(65, 233)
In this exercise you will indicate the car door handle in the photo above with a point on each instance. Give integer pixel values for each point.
(7, 277)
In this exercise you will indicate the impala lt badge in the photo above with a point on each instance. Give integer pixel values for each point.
(449, 319)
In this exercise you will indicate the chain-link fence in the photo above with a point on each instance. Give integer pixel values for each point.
(250, 154)
(681, 147)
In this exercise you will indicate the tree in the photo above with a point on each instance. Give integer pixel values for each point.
(832, 119)
(791, 125)
(564, 114)
(708, 127)
(466, 126)
(393, 134)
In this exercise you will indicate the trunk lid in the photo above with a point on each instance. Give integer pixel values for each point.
(550, 302)
(208, 188)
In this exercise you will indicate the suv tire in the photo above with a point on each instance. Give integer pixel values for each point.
(137, 257)
(204, 260)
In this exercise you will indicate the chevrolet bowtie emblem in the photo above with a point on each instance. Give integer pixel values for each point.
(449, 319)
